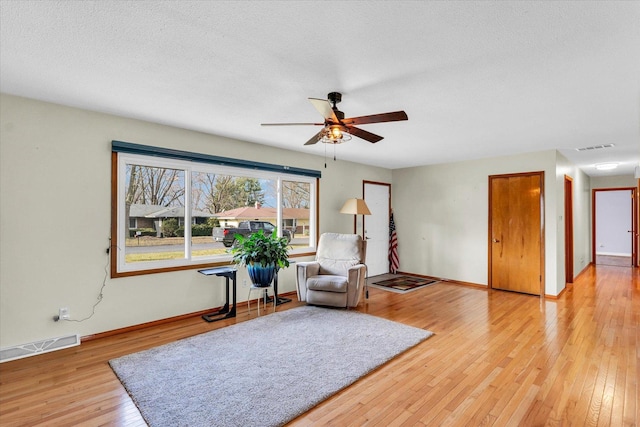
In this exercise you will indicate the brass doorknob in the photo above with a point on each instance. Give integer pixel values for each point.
(495, 241)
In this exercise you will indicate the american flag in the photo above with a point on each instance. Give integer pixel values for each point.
(394, 261)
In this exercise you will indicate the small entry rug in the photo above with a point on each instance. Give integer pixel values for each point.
(261, 372)
(403, 284)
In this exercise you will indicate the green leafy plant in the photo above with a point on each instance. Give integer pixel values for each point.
(196, 230)
(169, 227)
(257, 248)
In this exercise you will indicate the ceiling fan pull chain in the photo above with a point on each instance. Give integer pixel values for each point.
(325, 156)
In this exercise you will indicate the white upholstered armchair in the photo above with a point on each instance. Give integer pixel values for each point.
(337, 277)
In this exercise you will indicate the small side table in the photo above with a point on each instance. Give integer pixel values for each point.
(279, 300)
(263, 294)
(225, 312)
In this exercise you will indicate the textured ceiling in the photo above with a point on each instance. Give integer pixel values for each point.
(477, 79)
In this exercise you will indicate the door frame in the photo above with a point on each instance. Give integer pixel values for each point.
(364, 218)
(542, 229)
(568, 229)
(634, 222)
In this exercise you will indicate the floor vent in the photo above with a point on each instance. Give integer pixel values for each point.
(596, 147)
(38, 347)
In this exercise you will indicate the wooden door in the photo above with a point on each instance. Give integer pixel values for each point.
(568, 229)
(516, 261)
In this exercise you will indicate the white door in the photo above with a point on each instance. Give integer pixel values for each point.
(376, 227)
(614, 223)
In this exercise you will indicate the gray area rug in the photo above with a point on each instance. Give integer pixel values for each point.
(262, 372)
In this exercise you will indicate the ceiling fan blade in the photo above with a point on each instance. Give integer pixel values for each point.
(367, 136)
(291, 124)
(324, 107)
(315, 138)
(395, 116)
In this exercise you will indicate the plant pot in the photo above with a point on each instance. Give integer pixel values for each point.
(261, 276)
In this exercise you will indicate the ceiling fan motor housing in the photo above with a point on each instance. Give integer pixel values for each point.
(334, 98)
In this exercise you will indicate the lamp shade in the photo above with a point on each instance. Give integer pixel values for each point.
(355, 207)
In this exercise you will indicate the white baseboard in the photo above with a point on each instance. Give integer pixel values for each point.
(612, 254)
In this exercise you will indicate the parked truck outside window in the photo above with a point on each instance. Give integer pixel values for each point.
(226, 235)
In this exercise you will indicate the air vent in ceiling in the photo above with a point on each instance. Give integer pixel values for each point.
(595, 147)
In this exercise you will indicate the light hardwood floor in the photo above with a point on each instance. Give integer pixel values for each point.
(619, 261)
(497, 358)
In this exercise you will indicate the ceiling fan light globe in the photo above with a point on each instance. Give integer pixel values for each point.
(335, 135)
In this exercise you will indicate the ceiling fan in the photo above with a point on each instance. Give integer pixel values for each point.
(336, 129)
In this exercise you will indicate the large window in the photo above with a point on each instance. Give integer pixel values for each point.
(156, 197)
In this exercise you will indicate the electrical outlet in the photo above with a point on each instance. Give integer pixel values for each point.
(244, 283)
(64, 313)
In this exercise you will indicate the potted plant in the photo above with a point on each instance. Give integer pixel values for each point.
(262, 255)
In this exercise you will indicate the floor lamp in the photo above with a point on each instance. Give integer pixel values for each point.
(359, 207)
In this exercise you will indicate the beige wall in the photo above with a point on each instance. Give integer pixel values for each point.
(613, 181)
(55, 184)
(55, 223)
(581, 218)
(442, 215)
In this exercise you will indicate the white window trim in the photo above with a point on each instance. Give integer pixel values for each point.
(189, 167)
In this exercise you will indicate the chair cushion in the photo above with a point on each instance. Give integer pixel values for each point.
(327, 283)
(337, 267)
(338, 252)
